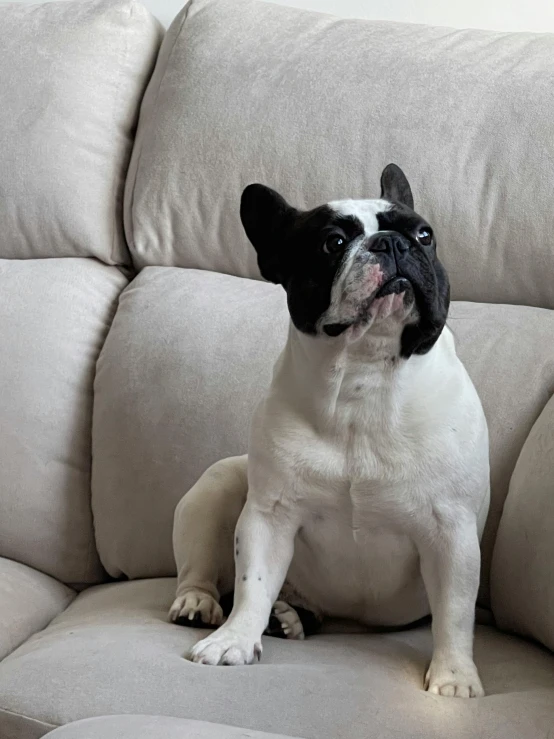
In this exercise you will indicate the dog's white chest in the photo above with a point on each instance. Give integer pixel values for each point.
(354, 558)
(366, 459)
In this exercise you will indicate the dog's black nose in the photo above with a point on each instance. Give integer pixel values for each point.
(390, 241)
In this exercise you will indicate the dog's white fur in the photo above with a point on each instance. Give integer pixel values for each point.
(366, 488)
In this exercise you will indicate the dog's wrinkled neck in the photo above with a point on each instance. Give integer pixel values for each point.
(371, 347)
(327, 379)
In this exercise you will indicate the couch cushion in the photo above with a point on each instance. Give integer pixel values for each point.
(523, 563)
(54, 316)
(153, 727)
(315, 106)
(29, 600)
(505, 348)
(72, 80)
(113, 652)
(189, 354)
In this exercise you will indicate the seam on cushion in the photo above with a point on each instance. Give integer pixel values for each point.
(15, 714)
(93, 544)
(131, 240)
(116, 178)
(68, 600)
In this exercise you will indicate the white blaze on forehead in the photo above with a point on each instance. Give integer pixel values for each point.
(364, 210)
(345, 297)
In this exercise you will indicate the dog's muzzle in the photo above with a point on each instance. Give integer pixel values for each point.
(394, 286)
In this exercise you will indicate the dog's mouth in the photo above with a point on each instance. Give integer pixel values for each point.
(394, 286)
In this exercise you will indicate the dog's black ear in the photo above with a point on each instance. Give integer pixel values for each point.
(266, 218)
(395, 186)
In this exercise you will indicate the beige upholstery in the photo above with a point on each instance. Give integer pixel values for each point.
(316, 106)
(153, 727)
(29, 600)
(115, 397)
(523, 564)
(187, 357)
(113, 652)
(503, 346)
(54, 316)
(72, 77)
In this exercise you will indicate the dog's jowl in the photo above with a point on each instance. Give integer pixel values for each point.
(366, 486)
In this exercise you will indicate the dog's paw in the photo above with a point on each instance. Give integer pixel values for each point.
(454, 679)
(196, 608)
(226, 647)
(285, 622)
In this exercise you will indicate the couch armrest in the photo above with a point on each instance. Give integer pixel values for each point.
(522, 576)
(29, 600)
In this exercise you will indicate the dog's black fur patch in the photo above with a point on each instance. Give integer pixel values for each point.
(289, 244)
(290, 248)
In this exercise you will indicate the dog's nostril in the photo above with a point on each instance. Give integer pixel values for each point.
(381, 244)
(401, 244)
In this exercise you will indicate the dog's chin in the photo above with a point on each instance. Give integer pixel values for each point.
(394, 300)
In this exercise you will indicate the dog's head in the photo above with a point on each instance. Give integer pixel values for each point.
(353, 264)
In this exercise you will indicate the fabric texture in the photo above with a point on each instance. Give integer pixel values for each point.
(54, 316)
(509, 355)
(188, 356)
(29, 600)
(523, 569)
(72, 79)
(113, 652)
(316, 106)
(153, 727)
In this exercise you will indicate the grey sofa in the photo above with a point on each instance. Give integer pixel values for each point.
(136, 335)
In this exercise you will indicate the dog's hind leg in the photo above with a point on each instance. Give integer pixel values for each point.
(292, 622)
(292, 617)
(203, 542)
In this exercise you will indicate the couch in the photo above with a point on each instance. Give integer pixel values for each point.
(136, 336)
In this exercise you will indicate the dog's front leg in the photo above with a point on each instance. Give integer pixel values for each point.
(264, 546)
(450, 562)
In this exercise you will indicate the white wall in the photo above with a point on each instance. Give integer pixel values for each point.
(502, 15)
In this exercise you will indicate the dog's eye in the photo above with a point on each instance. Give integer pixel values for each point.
(334, 243)
(425, 236)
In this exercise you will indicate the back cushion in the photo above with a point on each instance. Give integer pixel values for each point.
(522, 570)
(189, 354)
(72, 79)
(54, 317)
(315, 106)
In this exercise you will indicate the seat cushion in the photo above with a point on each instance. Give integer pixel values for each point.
(189, 354)
(153, 727)
(71, 85)
(54, 317)
(29, 600)
(113, 652)
(315, 106)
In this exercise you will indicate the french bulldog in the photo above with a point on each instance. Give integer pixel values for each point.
(365, 489)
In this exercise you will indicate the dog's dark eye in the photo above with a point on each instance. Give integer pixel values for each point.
(425, 236)
(334, 243)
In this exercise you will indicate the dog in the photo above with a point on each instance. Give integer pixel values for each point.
(366, 486)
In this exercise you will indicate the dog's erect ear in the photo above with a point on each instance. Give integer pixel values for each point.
(266, 218)
(395, 186)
